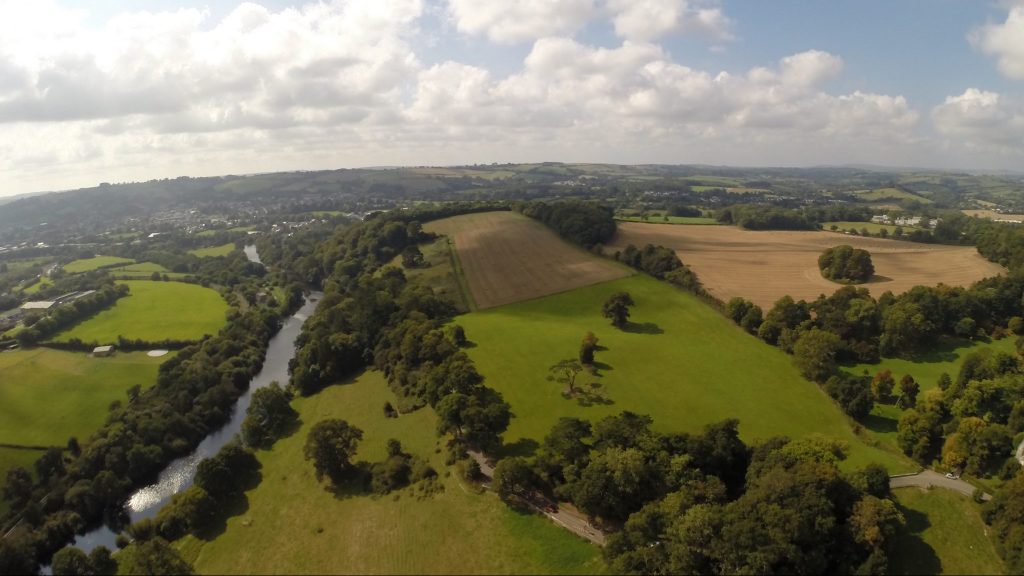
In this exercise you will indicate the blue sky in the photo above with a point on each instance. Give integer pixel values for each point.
(112, 90)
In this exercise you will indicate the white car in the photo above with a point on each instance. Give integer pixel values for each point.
(950, 475)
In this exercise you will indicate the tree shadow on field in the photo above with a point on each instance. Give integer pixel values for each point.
(235, 505)
(524, 447)
(645, 328)
(589, 395)
(878, 279)
(912, 555)
(880, 425)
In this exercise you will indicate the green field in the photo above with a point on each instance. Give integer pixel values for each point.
(926, 370)
(34, 288)
(24, 263)
(213, 251)
(882, 194)
(680, 362)
(871, 227)
(945, 535)
(143, 271)
(691, 220)
(149, 267)
(292, 524)
(155, 311)
(87, 264)
(50, 395)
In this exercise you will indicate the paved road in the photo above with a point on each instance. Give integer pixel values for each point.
(929, 478)
(566, 515)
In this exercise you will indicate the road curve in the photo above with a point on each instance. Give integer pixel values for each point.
(930, 478)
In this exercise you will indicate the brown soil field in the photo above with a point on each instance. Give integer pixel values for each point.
(765, 266)
(507, 257)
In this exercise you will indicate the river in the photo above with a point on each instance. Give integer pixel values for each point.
(252, 254)
(178, 475)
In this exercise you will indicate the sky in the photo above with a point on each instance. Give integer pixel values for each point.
(115, 90)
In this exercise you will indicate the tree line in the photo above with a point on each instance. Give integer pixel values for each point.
(65, 315)
(708, 503)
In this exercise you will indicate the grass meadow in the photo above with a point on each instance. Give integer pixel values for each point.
(214, 251)
(155, 311)
(679, 361)
(95, 263)
(50, 395)
(293, 524)
(944, 535)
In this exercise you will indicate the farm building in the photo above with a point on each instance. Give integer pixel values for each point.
(38, 305)
(102, 351)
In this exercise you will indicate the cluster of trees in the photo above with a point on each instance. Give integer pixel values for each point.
(583, 223)
(1005, 513)
(758, 217)
(851, 326)
(846, 264)
(369, 314)
(219, 482)
(332, 444)
(193, 395)
(973, 422)
(683, 210)
(708, 503)
(663, 264)
(65, 315)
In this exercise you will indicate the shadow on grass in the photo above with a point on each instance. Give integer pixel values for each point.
(524, 447)
(355, 483)
(598, 366)
(236, 505)
(645, 328)
(911, 554)
(880, 425)
(589, 395)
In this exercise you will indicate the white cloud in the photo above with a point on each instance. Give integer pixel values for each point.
(1005, 42)
(513, 21)
(149, 95)
(982, 121)
(644, 20)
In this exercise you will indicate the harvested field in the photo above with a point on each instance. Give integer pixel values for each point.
(507, 257)
(993, 215)
(764, 266)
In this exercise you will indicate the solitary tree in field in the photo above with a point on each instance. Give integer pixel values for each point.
(331, 444)
(617, 308)
(587, 348)
(565, 372)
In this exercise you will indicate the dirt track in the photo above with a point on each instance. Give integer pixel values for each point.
(507, 257)
(764, 266)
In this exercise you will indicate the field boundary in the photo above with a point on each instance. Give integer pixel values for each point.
(460, 275)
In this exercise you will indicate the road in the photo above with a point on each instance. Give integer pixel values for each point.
(930, 478)
(565, 515)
